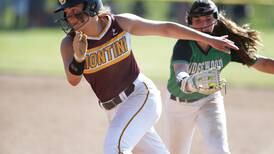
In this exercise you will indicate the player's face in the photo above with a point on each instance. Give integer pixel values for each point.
(76, 17)
(204, 23)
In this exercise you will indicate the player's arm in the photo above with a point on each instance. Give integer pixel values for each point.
(181, 56)
(181, 74)
(140, 26)
(67, 56)
(264, 64)
(258, 62)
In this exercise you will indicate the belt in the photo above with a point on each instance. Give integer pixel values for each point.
(181, 100)
(108, 105)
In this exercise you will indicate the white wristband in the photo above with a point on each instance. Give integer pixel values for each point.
(182, 79)
(180, 76)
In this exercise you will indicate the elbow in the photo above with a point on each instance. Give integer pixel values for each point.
(168, 29)
(165, 28)
(74, 81)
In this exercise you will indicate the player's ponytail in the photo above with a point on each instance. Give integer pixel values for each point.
(244, 37)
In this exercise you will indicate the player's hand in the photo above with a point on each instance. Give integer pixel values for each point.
(80, 45)
(206, 82)
(223, 44)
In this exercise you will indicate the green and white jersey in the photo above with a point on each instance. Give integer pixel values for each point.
(189, 52)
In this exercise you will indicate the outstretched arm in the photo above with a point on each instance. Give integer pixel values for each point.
(264, 64)
(140, 26)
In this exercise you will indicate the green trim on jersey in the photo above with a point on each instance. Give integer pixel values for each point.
(189, 52)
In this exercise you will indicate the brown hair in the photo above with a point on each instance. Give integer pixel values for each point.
(245, 38)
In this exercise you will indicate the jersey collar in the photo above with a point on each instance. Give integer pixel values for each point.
(106, 28)
(205, 52)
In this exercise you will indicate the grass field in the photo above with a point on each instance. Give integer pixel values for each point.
(37, 52)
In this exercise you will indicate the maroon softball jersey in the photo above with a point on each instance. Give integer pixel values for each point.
(110, 64)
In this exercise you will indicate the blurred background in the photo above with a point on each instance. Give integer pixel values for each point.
(29, 36)
(40, 113)
(26, 14)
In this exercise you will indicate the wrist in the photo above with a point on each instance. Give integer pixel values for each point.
(79, 59)
(190, 85)
(182, 78)
(76, 68)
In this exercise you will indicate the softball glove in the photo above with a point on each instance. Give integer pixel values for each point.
(205, 82)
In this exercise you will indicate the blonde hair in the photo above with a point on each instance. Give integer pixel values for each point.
(105, 10)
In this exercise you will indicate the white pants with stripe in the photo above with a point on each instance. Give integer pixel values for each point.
(207, 114)
(131, 122)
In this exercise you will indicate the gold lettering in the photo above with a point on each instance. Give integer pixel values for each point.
(125, 44)
(120, 47)
(114, 50)
(108, 52)
(92, 60)
(101, 57)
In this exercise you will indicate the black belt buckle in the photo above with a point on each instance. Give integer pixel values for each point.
(108, 105)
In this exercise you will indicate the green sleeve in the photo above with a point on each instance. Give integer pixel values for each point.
(182, 51)
(243, 58)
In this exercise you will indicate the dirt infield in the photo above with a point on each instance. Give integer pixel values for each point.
(44, 115)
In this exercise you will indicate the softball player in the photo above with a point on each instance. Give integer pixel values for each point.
(97, 46)
(187, 108)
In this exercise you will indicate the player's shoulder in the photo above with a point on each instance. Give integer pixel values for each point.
(182, 50)
(66, 40)
(125, 16)
(127, 20)
(66, 43)
(182, 44)
(179, 41)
